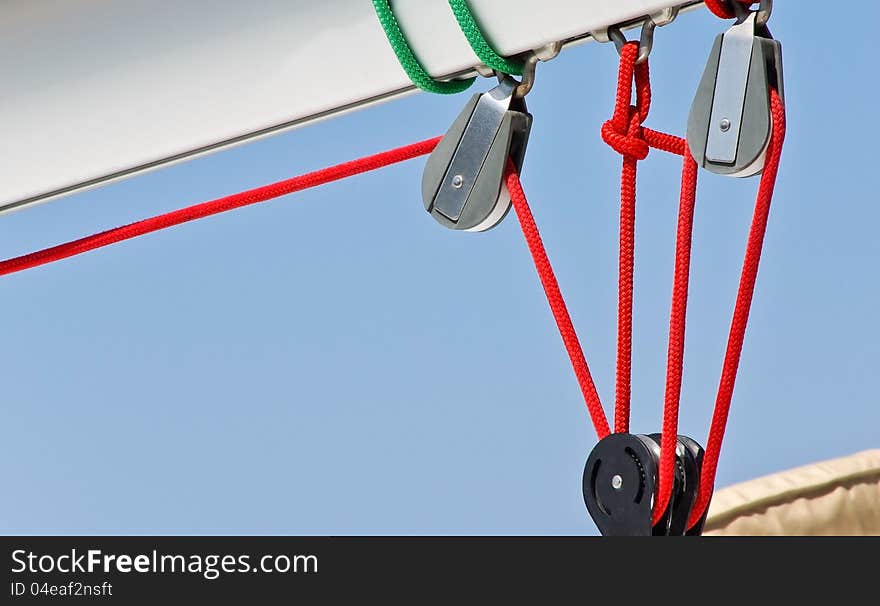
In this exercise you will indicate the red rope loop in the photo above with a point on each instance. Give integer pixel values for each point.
(634, 145)
(623, 132)
(675, 348)
(722, 8)
(631, 146)
(626, 135)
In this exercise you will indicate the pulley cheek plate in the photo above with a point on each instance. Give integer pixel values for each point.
(729, 123)
(463, 184)
(619, 483)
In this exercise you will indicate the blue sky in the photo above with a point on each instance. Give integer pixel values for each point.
(334, 362)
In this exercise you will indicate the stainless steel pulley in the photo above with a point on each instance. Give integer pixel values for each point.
(729, 124)
(463, 183)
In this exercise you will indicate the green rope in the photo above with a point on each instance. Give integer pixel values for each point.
(478, 41)
(471, 30)
(419, 76)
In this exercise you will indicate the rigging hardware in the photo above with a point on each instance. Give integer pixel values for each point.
(463, 184)
(730, 123)
(620, 484)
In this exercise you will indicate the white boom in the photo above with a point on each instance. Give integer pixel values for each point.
(95, 90)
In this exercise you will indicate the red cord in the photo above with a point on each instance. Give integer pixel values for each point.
(205, 209)
(741, 309)
(320, 177)
(556, 301)
(675, 348)
(625, 134)
(625, 279)
(722, 8)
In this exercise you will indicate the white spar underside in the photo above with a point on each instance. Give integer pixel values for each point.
(95, 90)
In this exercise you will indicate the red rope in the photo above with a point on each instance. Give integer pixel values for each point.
(320, 177)
(625, 279)
(675, 348)
(741, 310)
(625, 134)
(205, 209)
(556, 301)
(722, 8)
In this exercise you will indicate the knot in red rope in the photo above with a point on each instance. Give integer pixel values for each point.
(623, 132)
(629, 141)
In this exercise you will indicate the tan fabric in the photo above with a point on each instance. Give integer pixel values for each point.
(837, 497)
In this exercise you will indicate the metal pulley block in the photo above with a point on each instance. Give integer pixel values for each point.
(463, 183)
(620, 484)
(729, 124)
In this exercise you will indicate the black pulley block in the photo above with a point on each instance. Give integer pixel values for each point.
(620, 483)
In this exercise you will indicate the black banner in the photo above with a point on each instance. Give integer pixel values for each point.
(151, 570)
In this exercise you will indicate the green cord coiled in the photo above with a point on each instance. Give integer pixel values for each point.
(478, 42)
(414, 69)
(408, 61)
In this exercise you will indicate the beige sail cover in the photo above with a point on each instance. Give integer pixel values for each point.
(836, 497)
